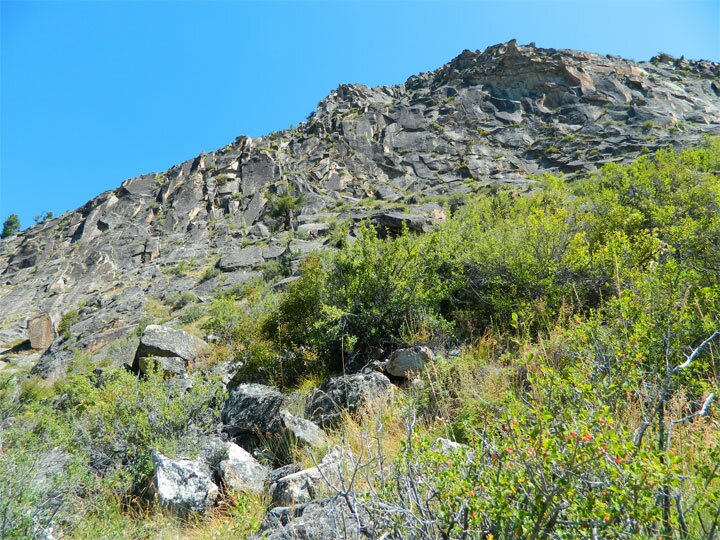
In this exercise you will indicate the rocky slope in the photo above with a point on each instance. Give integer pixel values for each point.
(493, 118)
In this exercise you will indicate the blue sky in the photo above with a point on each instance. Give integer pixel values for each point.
(94, 93)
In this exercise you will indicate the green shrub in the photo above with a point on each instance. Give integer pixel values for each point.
(66, 321)
(209, 273)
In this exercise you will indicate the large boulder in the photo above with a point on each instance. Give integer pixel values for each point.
(41, 332)
(252, 409)
(242, 472)
(408, 362)
(169, 365)
(255, 413)
(164, 342)
(325, 404)
(183, 485)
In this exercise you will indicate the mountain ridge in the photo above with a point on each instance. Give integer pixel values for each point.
(487, 120)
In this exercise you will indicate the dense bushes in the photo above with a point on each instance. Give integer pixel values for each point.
(512, 264)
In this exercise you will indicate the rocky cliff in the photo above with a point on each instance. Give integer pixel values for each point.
(494, 118)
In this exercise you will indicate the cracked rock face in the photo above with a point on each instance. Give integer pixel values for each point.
(489, 118)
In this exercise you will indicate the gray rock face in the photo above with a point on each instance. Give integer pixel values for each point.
(325, 404)
(253, 409)
(41, 332)
(243, 258)
(175, 347)
(488, 118)
(183, 485)
(242, 472)
(408, 362)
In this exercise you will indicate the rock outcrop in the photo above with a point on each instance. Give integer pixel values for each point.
(489, 118)
(352, 393)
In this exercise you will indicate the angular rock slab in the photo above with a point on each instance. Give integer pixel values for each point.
(325, 404)
(304, 432)
(242, 258)
(183, 485)
(242, 472)
(407, 362)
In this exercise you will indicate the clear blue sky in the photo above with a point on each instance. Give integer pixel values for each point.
(94, 93)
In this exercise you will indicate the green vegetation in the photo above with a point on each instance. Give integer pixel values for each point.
(584, 389)
(66, 321)
(284, 207)
(11, 226)
(43, 217)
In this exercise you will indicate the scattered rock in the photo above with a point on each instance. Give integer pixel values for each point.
(41, 332)
(252, 409)
(325, 404)
(446, 446)
(322, 519)
(183, 485)
(304, 432)
(407, 362)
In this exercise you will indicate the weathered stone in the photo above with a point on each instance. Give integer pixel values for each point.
(168, 365)
(313, 230)
(243, 258)
(446, 446)
(163, 341)
(41, 332)
(252, 409)
(53, 363)
(407, 362)
(183, 485)
(242, 472)
(393, 222)
(353, 393)
(321, 519)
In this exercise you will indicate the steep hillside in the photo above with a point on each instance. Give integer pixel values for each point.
(481, 304)
(493, 118)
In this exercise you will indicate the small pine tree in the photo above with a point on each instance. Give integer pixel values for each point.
(11, 226)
